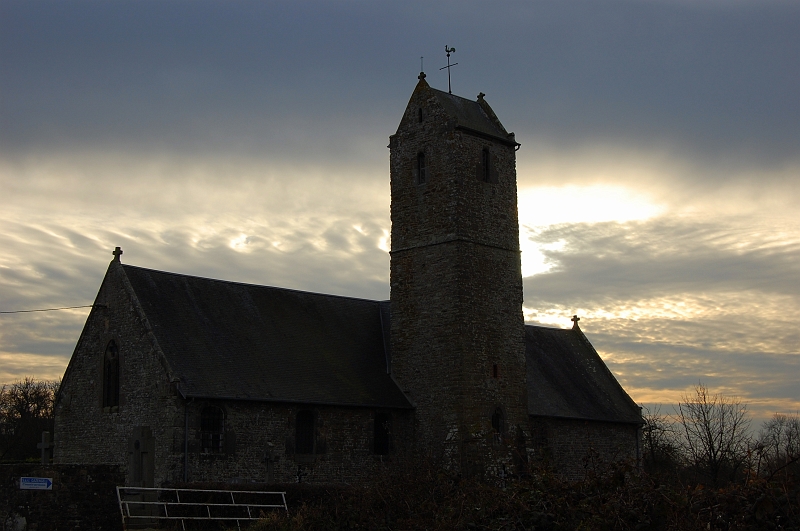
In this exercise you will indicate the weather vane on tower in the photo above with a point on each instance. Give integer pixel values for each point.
(448, 50)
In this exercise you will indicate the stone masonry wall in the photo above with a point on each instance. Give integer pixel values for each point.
(84, 431)
(456, 289)
(575, 448)
(259, 444)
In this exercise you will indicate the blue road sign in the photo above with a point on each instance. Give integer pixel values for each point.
(36, 483)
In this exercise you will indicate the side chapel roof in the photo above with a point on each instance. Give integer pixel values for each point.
(568, 379)
(242, 341)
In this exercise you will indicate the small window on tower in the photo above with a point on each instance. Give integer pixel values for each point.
(212, 430)
(498, 421)
(422, 171)
(419, 114)
(495, 373)
(486, 166)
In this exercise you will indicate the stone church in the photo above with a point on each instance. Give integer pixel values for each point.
(180, 378)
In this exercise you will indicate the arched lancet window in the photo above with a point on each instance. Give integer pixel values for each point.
(382, 439)
(486, 166)
(422, 170)
(212, 430)
(304, 432)
(111, 375)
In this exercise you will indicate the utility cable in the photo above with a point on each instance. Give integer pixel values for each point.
(49, 309)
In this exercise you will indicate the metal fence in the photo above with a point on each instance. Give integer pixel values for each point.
(147, 507)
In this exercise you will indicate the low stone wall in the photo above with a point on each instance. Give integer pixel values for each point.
(83, 497)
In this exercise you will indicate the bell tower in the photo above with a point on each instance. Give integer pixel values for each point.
(457, 330)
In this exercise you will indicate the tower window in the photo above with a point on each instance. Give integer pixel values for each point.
(495, 373)
(498, 421)
(486, 166)
(111, 375)
(419, 114)
(382, 440)
(422, 171)
(304, 432)
(212, 430)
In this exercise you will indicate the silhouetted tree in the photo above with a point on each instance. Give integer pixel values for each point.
(714, 433)
(26, 410)
(778, 446)
(660, 448)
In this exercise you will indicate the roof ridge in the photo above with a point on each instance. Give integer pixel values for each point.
(549, 327)
(250, 284)
(453, 95)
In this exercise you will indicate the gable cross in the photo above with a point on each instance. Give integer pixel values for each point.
(117, 253)
(575, 320)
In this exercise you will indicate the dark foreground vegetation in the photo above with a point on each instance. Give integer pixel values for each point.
(26, 410)
(702, 468)
(422, 500)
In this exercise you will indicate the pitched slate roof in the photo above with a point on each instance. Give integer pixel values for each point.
(472, 116)
(567, 378)
(241, 341)
(230, 340)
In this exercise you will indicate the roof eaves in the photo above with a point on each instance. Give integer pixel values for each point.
(588, 343)
(481, 134)
(565, 417)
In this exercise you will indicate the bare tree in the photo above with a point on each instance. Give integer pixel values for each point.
(778, 445)
(26, 409)
(714, 432)
(660, 452)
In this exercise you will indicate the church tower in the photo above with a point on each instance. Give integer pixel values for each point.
(457, 330)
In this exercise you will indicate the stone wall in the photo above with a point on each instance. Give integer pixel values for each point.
(457, 331)
(259, 444)
(146, 435)
(83, 497)
(575, 448)
(85, 432)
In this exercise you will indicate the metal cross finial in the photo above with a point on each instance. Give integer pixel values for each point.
(448, 50)
(117, 253)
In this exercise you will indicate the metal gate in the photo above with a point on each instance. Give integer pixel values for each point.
(144, 507)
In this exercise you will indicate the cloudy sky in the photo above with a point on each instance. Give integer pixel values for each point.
(659, 174)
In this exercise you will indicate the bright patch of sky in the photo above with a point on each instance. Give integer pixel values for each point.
(551, 205)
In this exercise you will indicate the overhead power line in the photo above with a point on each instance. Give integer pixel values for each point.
(49, 309)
